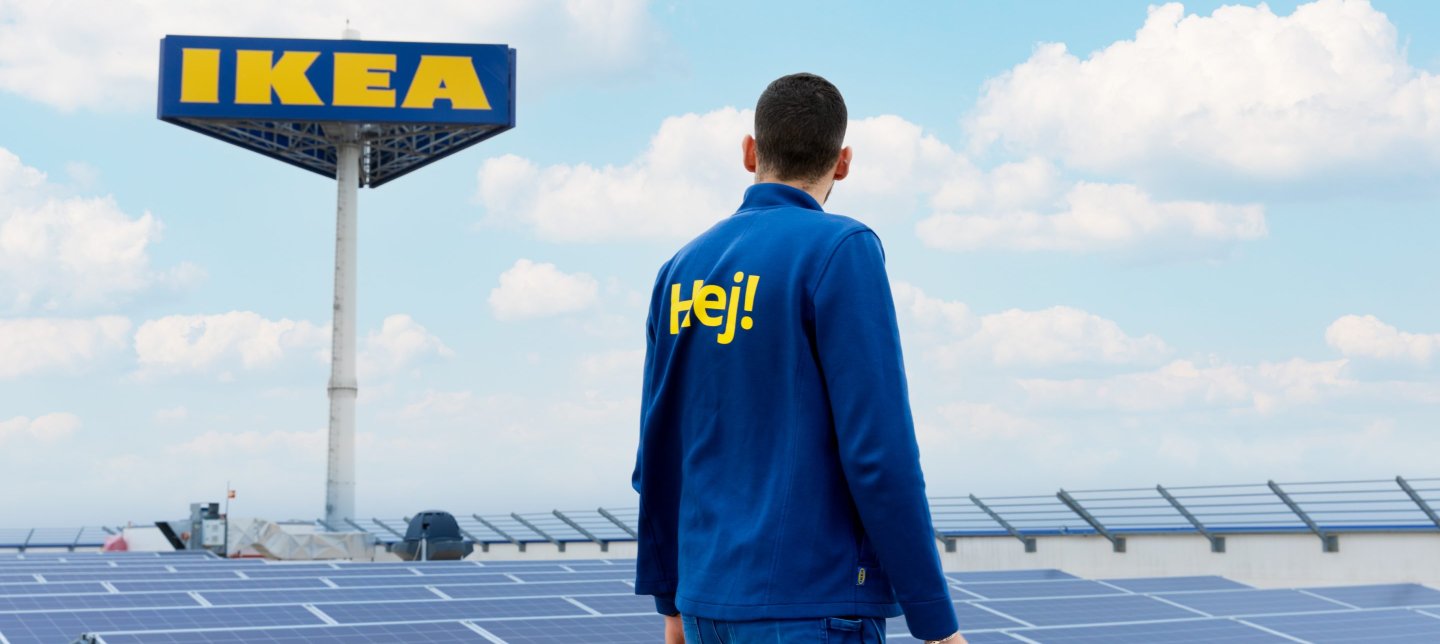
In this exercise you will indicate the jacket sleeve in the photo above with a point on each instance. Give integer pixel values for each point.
(858, 343)
(656, 479)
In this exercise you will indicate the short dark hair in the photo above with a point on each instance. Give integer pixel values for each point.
(799, 127)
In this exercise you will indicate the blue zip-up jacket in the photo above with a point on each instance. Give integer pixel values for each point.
(778, 471)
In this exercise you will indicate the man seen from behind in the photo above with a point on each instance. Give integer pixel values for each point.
(781, 497)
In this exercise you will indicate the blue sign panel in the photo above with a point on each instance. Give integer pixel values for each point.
(295, 100)
(355, 81)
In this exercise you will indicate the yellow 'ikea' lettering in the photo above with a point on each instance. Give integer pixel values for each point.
(200, 76)
(446, 77)
(257, 74)
(705, 298)
(363, 80)
(360, 80)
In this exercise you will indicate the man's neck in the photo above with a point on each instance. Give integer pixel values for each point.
(820, 190)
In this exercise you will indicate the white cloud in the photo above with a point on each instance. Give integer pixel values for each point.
(224, 342)
(37, 345)
(102, 54)
(400, 343)
(899, 170)
(1059, 335)
(174, 414)
(58, 251)
(1100, 217)
(947, 333)
(531, 290)
(1182, 384)
(48, 428)
(252, 442)
(912, 304)
(620, 366)
(969, 421)
(689, 178)
(1365, 336)
(217, 343)
(1252, 94)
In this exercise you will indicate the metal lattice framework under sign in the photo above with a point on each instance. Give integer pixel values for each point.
(389, 150)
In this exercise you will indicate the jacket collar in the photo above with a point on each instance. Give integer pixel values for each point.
(775, 195)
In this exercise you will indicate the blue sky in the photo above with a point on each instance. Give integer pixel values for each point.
(1192, 245)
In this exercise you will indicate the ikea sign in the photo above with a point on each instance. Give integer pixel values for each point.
(359, 81)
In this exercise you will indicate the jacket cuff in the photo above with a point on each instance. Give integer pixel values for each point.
(931, 620)
(665, 604)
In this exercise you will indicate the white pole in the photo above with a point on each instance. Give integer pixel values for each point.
(340, 475)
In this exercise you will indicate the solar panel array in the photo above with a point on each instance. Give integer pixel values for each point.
(145, 597)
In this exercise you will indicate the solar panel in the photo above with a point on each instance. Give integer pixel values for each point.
(583, 566)
(903, 637)
(1381, 595)
(436, 632)
(32, 568)
(1087, 610)
(138, 576)
(629, 629)
(65, 626)
(1229, 603)
(970, 616)
(279, 572)
(95, 600)
(218, 584)
(554, 589)
(421, 580)
(422, 566)
(1043, 574)
(1386, 625)
(1175, 584)
(36, 588)
(619, 604)
(567, 562)
(257, 568)
(316, 595)
(1066, 588)
(626, 574)
(1202, 630)
(546, 601)
(453, 609)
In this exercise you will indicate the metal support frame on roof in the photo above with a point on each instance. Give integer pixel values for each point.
(323, 524)
(1117, 543)
(356, 526)
(559, 545)
(26, 543)
(604, 545)
(628, 530)
(466, 533)
(1217, 542)
(391, 530)
(1419, 500)
(76, 542)
(1028, 541)
(1328, 542)
(496, 529)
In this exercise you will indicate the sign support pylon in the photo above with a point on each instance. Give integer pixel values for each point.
(343, 389)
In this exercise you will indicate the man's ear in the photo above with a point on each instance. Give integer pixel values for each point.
(747, 148)
(842, 166)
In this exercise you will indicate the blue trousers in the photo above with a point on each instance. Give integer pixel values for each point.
(815, 630)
